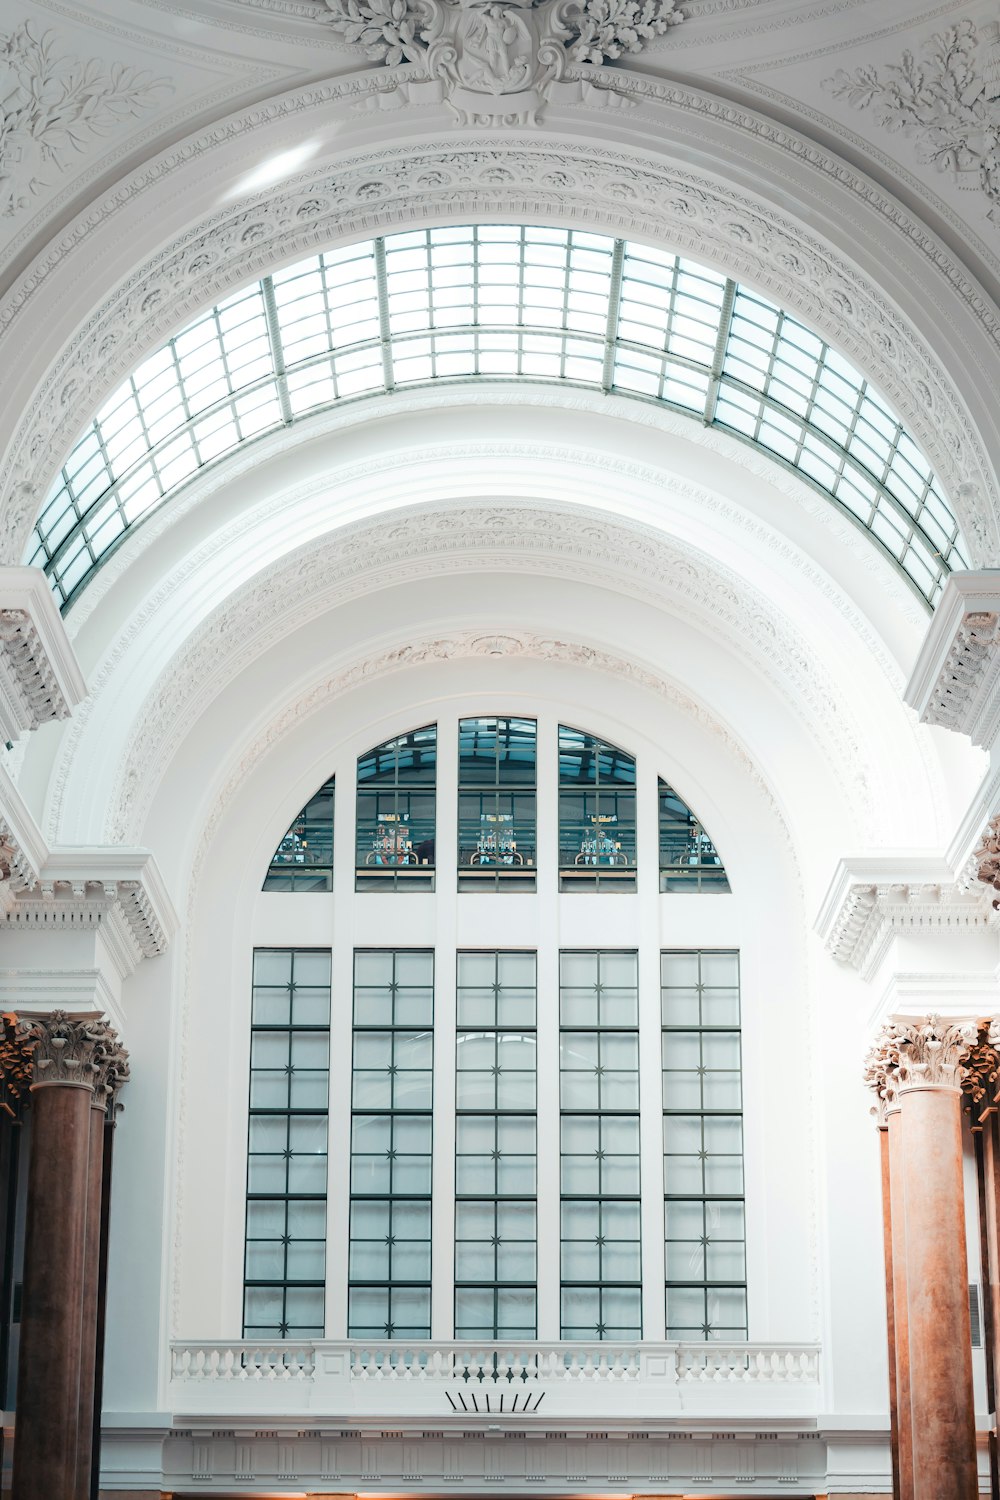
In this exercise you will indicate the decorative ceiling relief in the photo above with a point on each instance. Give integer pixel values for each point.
(947, 99)
(52, 105)
(498, 62)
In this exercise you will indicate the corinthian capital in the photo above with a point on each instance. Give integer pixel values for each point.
(933, 1054)
(15, 1064)
(881, 1075)
(65, 1050)
(983, 1066)
(112, 1072)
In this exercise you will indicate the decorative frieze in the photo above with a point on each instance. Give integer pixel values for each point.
(956, 680)
(39, 676)
(498, 62)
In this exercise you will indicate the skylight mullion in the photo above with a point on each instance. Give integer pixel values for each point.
(385, 329)
(614, 316)
(277, 349)
(721, 349)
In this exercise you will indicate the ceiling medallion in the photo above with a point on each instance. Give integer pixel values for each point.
(497, 62)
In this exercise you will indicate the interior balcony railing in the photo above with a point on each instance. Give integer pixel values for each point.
(520, 1380)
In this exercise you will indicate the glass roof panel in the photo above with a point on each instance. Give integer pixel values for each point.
(495, 302)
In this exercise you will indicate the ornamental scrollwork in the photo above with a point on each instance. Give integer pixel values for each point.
(987, 856)
(499, 61)
(52, 105)
(982, 1069)
(933, 1053)
(65, 1049)
(947, 99)
(15, 1064)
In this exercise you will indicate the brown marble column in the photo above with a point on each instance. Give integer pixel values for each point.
(880, 1076)
(929, 1077)
(48, 1383)
(980, 1089)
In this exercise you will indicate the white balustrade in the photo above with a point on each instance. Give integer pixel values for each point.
(366, 1378)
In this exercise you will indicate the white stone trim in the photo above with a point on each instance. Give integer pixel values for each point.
(24, 850)
(40, 679)
(869, 900)
(956, 679)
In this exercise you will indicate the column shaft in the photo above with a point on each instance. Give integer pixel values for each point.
(937, 1277)
(883, 1141)
(990, 1217)
(48, 1381)
(900, 1317)
(91, 1276)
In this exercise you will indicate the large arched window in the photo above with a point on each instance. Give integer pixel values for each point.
(507, 1179)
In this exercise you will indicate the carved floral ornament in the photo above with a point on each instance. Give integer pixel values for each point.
(499, 61)
(52, 105)
(925, 1054)
(946, 98)
(37, 1051)
(987, 856)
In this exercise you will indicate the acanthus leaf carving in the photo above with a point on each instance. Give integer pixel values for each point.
(987, 856)
(499, 61)
(947, 100)
(983, 1066)
(64, 1048)
(53, 105)
(933, 1053)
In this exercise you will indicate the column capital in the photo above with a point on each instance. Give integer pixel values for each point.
(982, 1069)
(112, 1061)
(881, 1062)
(933, 1053)
(65, 1050)
(15, 1063)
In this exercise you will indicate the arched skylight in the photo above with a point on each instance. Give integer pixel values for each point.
(495, 302)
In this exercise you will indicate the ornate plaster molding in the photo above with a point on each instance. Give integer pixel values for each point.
(459, 539)
(947, 101)
(986, 856)
(39, 676)
(594, 185)
(499, 62)
(52, 105)
(956, 679)
(15, 1063)
(118, 891)
(23, 850)
(870, 900)
(933, 1054)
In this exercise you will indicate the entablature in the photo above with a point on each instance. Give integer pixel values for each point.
(956, 680)
(40, 678)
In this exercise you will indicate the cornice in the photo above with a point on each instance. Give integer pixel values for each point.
(39, 676)
(340, 567)
(955, 682)
(117, 890)
(23, 850)
(504, 177)
(870, 900)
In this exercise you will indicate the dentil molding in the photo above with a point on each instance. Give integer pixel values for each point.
(870, 900)
(956, 679)
(594, 185)
(39, 676)
(115, 890)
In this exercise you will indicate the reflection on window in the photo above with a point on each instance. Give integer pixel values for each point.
(703, 1146)
(596, 814)
(495, 1147)
(689, 861)
(389, 1278)
(286, 1174)
(396, 807)
(303, 861)
(599, 1128)
(496, 804)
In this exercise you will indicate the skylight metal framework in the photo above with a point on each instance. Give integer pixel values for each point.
(500, 303)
